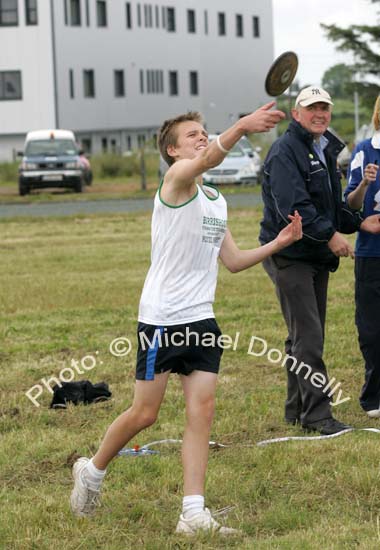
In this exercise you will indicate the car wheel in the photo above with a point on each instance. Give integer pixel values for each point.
(78, 187)
(23, 189)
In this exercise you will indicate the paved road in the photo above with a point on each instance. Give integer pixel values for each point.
(104, 207)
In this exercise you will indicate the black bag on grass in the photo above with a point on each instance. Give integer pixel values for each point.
(79, 392)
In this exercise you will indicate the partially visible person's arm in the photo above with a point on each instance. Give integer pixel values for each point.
(236, 260)
(183, 172)
(356, 197)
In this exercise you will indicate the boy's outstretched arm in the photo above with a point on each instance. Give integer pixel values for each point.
(236, 260)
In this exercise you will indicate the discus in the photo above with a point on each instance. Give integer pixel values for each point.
(281, 74)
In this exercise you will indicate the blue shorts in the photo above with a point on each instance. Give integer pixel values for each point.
(178, 348)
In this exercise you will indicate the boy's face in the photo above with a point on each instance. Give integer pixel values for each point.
(192, 139)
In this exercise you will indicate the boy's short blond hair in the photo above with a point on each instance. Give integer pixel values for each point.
(168, 136)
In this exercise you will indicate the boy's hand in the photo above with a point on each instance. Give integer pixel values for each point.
(292, 232)
(262, 120)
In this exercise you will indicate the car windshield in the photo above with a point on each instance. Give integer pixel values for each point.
(51, 147)
(236, 151)
(246, 144)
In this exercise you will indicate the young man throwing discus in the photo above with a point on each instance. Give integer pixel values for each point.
(189, 233)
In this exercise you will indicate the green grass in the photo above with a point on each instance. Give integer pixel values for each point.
(101, 189)
(70, 286)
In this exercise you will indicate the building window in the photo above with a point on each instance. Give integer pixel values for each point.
(239, 25)
(139, 15)
(31, 12)
(71, 83)
(113, 146)
(154, 81)
(161, 81)
(119, 83)
(191, 24)
(89, 83)
(104, 144)
(128, 15)
(87, 145)
(157, 12)
(194, 83)
(170, 19)
(173, 83)
(10, 85)
(88, 13)
(129, 143)
(256, 26)
(75, 16)
(163, 16)
(148, 16)
(221, 24)
(149, 82)
(141, 140)
(141, 81)
(101, 13)
(206, 21)
(8, 13)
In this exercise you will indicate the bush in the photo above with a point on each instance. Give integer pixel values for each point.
(111, 165)
(8, 172)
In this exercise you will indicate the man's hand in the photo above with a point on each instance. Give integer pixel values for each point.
(370, 173)
(290, 233)
(262, 120)
(371, 224)
(340, 246)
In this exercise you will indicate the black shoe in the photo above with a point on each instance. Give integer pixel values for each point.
(328, 426)
(292, 421)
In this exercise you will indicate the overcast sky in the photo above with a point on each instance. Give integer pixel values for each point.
(296, 27)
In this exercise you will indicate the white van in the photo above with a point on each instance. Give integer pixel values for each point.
(51, 159)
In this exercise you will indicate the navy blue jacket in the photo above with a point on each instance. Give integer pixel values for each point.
(296, 179)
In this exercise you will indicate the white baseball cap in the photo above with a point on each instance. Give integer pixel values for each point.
(313, 94)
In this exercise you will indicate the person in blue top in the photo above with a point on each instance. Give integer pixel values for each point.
(363, 191)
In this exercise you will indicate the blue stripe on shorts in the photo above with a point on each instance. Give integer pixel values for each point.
(151, 358)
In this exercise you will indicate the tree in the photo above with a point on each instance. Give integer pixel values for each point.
(337, 79)
(364, 42)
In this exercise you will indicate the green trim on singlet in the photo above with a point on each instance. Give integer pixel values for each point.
(212, 187)
(178, 205)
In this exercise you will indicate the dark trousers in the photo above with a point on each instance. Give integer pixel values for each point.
(367, 298)
(302, 292)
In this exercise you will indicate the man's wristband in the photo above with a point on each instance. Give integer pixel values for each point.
(221, 148)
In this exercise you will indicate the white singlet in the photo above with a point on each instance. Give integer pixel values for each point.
(186, 240)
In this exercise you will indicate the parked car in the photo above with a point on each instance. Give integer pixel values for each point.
(344, 159)
(241, 165)
(366, 131)
(51, 158)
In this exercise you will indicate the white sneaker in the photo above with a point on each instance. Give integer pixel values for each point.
(83, 500)
(203, 522)
(375, 413)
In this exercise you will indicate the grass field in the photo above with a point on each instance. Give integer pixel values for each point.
(101, 189)
(68, 287)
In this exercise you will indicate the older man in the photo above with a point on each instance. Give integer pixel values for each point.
(301, 174)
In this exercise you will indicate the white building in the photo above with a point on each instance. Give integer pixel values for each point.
(112, 70)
